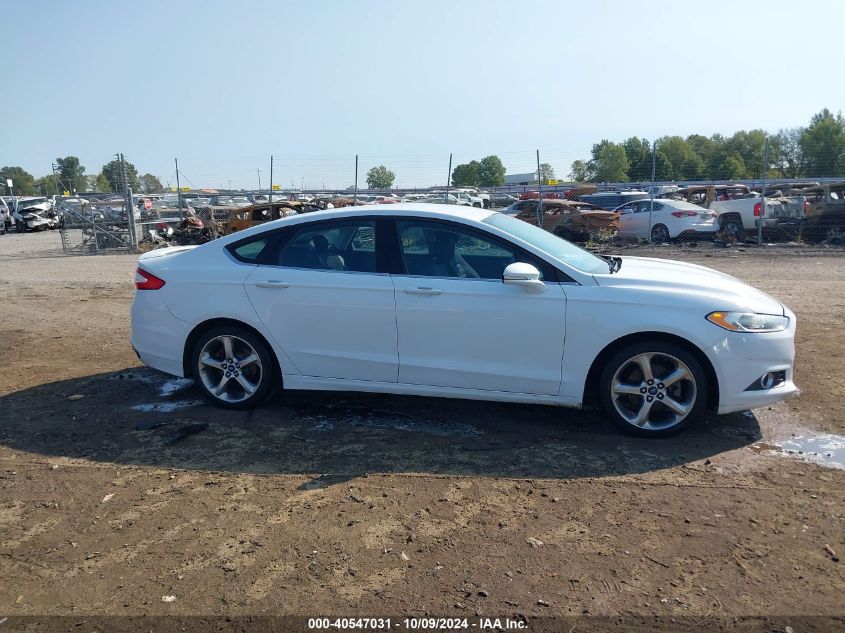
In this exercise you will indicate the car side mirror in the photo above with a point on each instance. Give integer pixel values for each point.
(525, 275)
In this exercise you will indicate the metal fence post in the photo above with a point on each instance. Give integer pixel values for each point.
(448, 180)
(355, 192)
(763, 192)
(178, 191)
(653, 174)
(133, 228)
(539, 193)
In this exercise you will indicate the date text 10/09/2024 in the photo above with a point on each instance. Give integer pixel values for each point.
(417, 624)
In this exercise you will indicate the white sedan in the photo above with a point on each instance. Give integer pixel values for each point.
(670, 219)
(441, 300)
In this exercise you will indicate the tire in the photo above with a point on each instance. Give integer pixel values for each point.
(733, 227)
(626, 393)
(659, 233)
(211, 363)
(20, 227)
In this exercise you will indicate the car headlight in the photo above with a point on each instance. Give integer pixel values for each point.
(749, 321)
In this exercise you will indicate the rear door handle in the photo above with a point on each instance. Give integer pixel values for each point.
(420, 290)
(272, 283)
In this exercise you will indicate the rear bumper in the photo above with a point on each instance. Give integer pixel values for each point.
(158, 337)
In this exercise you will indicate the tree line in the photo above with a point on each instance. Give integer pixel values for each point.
(70, 176)
(817, 150)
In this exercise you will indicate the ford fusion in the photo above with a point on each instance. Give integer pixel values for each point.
(448, 301)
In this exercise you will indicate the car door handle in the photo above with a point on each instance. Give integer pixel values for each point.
(273, 283)
(420, 290)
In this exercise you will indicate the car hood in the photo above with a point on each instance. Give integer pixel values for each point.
(664, 275)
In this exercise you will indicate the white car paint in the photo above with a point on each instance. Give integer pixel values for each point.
(459, 337)
(634, 218)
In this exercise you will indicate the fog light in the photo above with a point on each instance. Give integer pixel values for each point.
(768, 380)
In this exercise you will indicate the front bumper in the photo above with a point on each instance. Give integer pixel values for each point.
(741, 359)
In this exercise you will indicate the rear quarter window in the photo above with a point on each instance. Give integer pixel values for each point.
(250, 251)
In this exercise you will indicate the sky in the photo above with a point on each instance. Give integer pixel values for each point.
(222, 86)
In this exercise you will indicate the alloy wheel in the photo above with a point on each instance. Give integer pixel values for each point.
(654, 391)
(230, 368)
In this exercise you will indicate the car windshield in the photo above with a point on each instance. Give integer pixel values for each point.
(549, 243)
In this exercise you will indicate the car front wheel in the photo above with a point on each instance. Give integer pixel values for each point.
(653, 389)
(233, 367)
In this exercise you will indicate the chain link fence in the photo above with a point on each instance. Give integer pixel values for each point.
(764, 210)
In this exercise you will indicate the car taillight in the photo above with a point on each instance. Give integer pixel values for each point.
(684, 214)
(147, 281)
(806, 206)
(758, 209)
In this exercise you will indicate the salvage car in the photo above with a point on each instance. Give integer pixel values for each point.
(825, 213)
(34, 214)
(572, 220)
(245, 217)
(6, 219)
(612, 199)
(667, 220)
(414, 298)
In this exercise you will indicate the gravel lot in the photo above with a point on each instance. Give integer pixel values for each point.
(380, 505)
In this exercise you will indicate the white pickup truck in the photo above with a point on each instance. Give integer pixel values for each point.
(737, 217)
(738, 208)
(478, 199)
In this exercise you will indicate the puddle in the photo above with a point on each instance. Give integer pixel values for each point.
(824, 450)
(166, 407)
(172, 386)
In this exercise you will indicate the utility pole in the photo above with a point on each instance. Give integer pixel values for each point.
(539, 194)
(653, 174)
(355, 193)
(763, 192)
(270, 197)
(259, 179)
(448, 179)
(55, 178)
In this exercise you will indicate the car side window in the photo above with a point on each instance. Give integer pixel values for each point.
(347, 246)
(435, 249)
(249, 252)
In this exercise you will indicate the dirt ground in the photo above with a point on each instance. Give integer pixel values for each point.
(364, 505)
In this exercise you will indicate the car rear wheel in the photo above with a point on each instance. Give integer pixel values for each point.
(733, 228)
(653, 389)
(659, 233)
(233, 367)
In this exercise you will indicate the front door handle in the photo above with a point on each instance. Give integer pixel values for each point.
(420, 290)
(272, 283)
